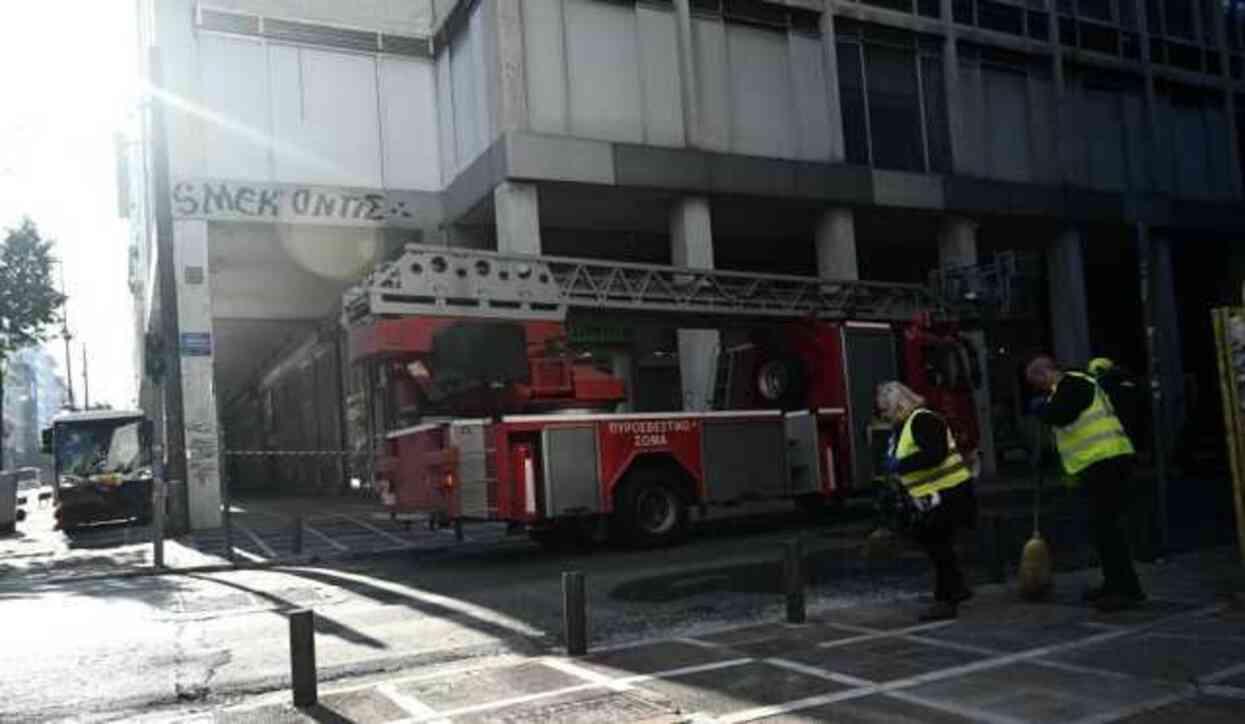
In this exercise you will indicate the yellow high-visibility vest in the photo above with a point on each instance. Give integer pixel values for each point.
(949, 473)
(1095, 436)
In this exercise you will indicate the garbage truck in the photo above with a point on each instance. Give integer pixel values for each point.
(102, 467)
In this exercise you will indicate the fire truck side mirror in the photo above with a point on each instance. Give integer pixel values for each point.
(45, 441)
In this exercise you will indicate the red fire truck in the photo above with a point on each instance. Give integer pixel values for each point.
(482, 406)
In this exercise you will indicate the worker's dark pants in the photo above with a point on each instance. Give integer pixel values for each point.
(936, 534)
(1108, 488)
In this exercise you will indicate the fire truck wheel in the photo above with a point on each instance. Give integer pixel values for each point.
(780, 381)
(652, 510)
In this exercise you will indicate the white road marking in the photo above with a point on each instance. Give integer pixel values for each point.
(837, 678)
(307, 527)
(1227, 673)
(501, 704)
(264, 547)
(1230, 692)
(686, 670)
(1136, 708)
(378, 531)
(588, 675)
(409, 704)
(966, 712)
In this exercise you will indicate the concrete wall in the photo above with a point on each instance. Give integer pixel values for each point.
(288, 114)
(466, 122)
(408, 17)
(610, 71)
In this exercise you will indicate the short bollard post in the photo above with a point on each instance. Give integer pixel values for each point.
(157, 522)
(998, 555)
(296, 535)
(303, 657)
(793, 580)
(575, 612)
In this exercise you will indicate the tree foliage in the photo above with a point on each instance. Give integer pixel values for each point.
(29, 302)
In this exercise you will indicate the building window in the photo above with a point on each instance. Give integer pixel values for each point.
(892, 99)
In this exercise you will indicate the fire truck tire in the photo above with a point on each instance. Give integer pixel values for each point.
(780, 380)
(652, 511)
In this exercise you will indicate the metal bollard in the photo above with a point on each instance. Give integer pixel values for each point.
(793, 580)
(303, 657)
(157, 521)
(575, 612)
(296, 536)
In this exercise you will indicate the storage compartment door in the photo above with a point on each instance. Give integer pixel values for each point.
(745, 459)
(870, 357)
(572, 477)
(803, 463)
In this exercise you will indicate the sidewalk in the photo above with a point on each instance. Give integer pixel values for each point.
(1180, 657)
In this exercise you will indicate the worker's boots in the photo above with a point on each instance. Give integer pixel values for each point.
(1110, 601)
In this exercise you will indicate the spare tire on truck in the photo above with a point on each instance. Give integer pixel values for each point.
(779, 380)
(651, 506)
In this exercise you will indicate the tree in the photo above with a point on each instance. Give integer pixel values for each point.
(29, 303)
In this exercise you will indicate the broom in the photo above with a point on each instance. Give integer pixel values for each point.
(1035, 562)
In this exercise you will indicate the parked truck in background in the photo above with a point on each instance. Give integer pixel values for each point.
(102, 467)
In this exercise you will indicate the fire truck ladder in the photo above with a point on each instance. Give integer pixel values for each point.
(439, 281)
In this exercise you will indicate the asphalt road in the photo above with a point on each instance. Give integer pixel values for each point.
(108, 650)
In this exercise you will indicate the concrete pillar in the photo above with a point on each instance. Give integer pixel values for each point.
(687, 73)
(517, 210)
(194, 312)
(691, 238)
(957, 243)
(1069, 305)
(836, 245)
(951, 84)
(830, 52)
(510, 68)
(957, 248)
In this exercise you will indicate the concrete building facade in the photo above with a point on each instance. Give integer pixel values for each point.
(881, 139)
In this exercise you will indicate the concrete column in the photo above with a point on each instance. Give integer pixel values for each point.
(836, 245)
(1069, 306)
(511, 70)
(957, 243)
(951, 84)
(957, 248)
(194, 312)
(1229, 92)
(517, 209)
(687, 73)
(691, 238)
(838, 150)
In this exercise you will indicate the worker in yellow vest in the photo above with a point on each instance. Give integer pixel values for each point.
(939, 482)
(1094, 448)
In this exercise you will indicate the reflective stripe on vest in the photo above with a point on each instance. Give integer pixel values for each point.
(949, 473)
(1095, 436)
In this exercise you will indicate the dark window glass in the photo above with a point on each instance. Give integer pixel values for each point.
(937, 128)
(1183, 56)
(903, 6)
(1096, 9)
(962, 11)
(806, 21)
(1130, 47)
(1154, 18)
(852, 100)
(1179, 17)
(1240, 130)
(894, 108)
(1067, 32)
(1065, 7)
(929, 8)
(1039, 25)
(1099, 38)
(1235, 68)
(1000, 17)
(1212, 62)
(1128, 14)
